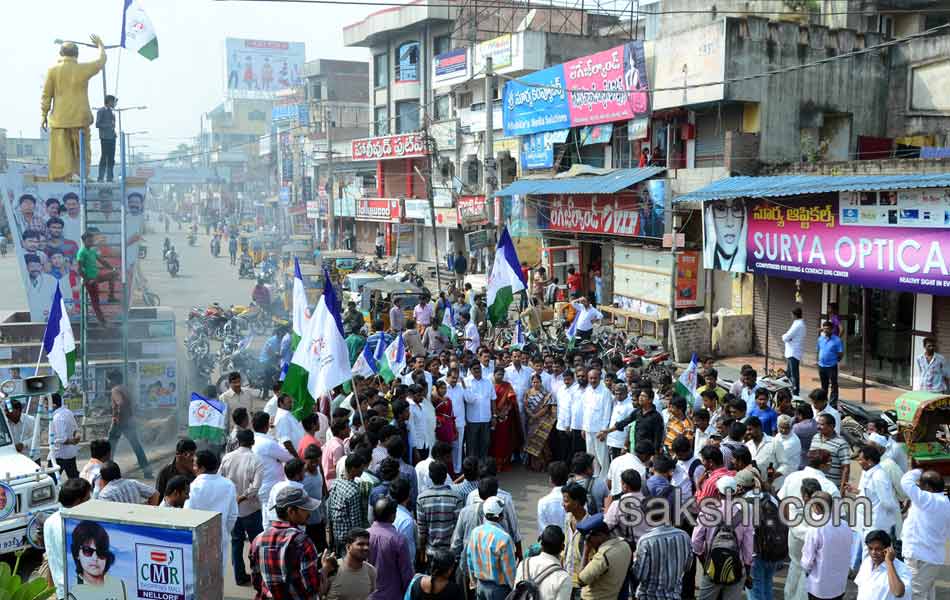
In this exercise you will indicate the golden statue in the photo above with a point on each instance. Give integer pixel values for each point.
(67, 91)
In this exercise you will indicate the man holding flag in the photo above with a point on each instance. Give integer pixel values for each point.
(506, 279)
(60, 348)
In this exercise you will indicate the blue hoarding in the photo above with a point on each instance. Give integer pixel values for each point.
(539, 107)
(537, 149)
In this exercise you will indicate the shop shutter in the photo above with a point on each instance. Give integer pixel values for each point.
(711, 128)
(781, 302)
(941, 318)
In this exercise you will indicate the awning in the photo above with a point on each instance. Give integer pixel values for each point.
(796, 185)
(609, 183)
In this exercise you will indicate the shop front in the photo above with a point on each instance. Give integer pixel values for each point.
(876, 257)
(375, 215)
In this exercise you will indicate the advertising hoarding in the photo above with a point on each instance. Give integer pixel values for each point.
(870, 239)
(611, 214)
(389, 147)
(450, 67)
(416, 209)
(473, 210)
(385, 210)
(601, 88)
(537, 149)
(261, 68)
(44, 222)
(499, 49)
(687, 278)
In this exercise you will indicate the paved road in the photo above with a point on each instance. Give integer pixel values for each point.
(204, 279)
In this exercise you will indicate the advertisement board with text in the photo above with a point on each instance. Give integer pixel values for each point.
(385, 210)
(389, 147)
(261, 68)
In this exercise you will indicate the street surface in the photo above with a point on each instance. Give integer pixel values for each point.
(204, 279)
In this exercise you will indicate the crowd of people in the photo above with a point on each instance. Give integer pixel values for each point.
(391, 490)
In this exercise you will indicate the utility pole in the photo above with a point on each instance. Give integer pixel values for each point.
(430, 150)
(489, 160)
(331, 214)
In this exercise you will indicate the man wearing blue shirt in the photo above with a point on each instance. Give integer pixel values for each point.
(830, 351)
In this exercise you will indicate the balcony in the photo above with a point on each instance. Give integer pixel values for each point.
(379, 26)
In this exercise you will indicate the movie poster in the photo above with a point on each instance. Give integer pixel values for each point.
(158, 384)
(45, 226)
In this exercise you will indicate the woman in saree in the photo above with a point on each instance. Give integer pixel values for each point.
(541, 409)
(506, 430)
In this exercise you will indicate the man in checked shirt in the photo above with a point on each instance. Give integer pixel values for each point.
(284, 562)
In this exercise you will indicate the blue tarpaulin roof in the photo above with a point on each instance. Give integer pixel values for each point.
(795, 185)
(609, 183)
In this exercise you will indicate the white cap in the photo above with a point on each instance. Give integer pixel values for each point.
(493, 506)
(879, 440)
(726, 484)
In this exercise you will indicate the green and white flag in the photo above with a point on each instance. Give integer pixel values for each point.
(446, 327)
(688, 380)
(206, 419)
(58, 341)
(299, 315)
(138, 34)
(505, 280)
(321, 361)
(394, 360)
(572, 329)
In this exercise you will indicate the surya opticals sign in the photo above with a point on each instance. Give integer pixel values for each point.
(385, 210)
(881, 239)
(389, 147)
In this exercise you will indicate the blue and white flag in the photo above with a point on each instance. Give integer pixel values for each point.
(517, 342)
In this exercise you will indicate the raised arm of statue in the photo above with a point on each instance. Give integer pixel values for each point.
(96, 65)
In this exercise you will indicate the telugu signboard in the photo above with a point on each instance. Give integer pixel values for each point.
(388, 147)
(601, 88)
(885, 240)
(386, 210)
(261, 68)
(473, 210)
(613, 214)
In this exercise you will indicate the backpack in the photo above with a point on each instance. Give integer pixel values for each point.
(723, 564)
(771, 536)
(530, 587)
(592, 508)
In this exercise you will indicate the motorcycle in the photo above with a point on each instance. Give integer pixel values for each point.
(215, 246)
(855, 419)
(172, 264)
(266, 271)
(244, 361)
(192, 239)
(246, 268)
(166, 246)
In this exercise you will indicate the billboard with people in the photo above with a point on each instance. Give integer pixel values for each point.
(261, 68)
(46, 229)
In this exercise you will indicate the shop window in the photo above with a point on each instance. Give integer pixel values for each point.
(407, 116)
(407, 62)
(443, 107)
(441, 44)
(381, 120)
(472, 172)
(507, 168)
(381, 70)
(464, 99)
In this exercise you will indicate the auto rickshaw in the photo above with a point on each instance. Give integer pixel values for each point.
(312, 282)
(353, 284)
(923, 419)
(379, 296)
(339, 262)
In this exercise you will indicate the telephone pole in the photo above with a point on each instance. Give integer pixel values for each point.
(489, 160)
(331, 216)
(430, 150)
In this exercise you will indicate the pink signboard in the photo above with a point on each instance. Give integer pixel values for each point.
(611, 214)
(614, 85)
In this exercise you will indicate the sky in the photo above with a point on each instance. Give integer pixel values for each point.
(186, 80)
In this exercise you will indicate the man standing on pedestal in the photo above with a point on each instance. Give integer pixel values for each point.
(66, 94)
(105, 123)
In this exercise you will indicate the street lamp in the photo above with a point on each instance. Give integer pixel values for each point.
(60, 42)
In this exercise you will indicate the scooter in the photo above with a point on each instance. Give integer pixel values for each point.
(192, 239)
(172, 263)
(246, 268)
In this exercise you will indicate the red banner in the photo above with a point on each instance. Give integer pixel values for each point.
(389, 146)
(386, 210)
(610, 214)
(687, 278)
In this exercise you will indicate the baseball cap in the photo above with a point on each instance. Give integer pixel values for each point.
(293, 496)
(592, 523)
(493, 506)
(745, 478)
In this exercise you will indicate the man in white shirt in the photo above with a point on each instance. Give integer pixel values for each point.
(419, 366)
(826, 553)
(818, 463)
(586, 316)
(621, 409)
(820, 406)
(551, 506)
(519, 376)
(244, 470)
(768, 454)
(565, 399)
(479, 408)
(636, 460)
(293, 473)
(212, 492)
(471, 340)
(882, 576)
(72, 493)
(271, 454)
(876, 487)
(794, 340)
(456, 393)
(441, 452)
(931, 369)
(554, 583)
(287, 429)
(926, 530)
(64, 437)
(21, 428)
(598, 402)
(578, 443)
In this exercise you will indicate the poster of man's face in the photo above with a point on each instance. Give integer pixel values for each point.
(726, 227)
(135, 203)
